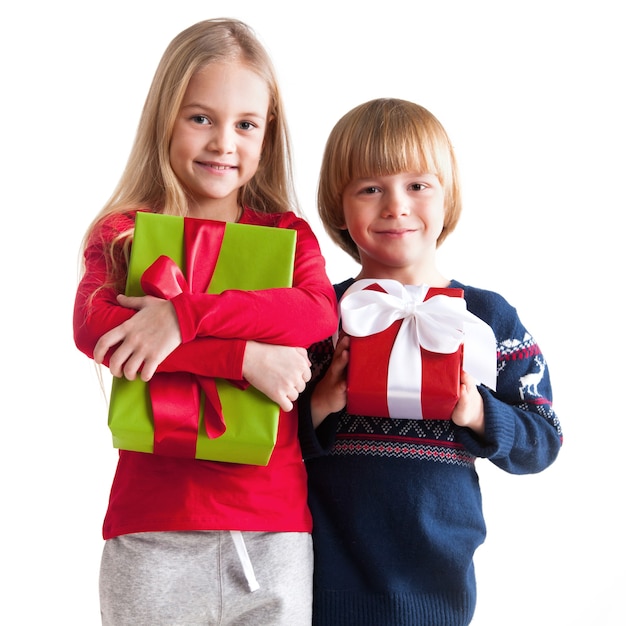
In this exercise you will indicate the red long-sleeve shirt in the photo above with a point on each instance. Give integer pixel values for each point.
(158, 493)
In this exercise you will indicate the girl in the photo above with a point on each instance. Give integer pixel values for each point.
(396, 504)
(212, 143)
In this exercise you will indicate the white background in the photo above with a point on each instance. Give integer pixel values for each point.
(531, 94)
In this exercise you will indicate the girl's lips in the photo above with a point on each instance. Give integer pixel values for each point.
(220, 167)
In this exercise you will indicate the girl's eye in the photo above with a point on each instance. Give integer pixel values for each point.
(418, 186)
(200, 119)
(369, 190)
(246, 125)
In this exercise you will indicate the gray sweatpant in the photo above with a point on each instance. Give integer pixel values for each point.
(198, 578)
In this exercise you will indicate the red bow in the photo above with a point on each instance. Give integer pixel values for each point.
(176, 396)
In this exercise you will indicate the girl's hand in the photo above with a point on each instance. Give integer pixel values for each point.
(330, 394)
(280, 372)
(145, 339)
(469, 410)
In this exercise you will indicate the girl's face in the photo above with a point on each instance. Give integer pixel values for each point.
(395, 221)
(218, 137)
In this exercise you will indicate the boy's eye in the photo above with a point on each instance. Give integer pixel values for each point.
(370, 190)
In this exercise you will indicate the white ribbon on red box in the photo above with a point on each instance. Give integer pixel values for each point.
(440, 324)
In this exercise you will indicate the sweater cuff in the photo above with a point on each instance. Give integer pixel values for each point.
(499, 431)
(306, 433)
(314, 442)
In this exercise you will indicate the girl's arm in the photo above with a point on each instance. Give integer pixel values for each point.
(295, 316)
(279, 372)
(98, 312)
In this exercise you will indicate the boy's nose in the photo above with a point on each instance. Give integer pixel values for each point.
(395, 206)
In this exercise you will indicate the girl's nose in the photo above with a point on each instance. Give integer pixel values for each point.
(222, 140)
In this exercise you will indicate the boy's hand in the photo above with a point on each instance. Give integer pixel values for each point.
(280, 372)
(330, 394)
(145, 339)
(469, 410)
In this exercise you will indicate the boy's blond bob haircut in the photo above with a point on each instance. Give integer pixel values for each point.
(381, 137)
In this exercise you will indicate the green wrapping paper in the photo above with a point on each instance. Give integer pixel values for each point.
(250, 257)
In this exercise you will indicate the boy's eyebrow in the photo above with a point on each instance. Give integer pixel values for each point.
(408, 173)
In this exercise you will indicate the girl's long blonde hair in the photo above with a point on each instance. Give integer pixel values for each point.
(381, 137)
(148, 180)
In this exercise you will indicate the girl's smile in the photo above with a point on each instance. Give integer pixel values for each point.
(216, 166)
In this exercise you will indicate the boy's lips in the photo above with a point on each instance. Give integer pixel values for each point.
(396, 231)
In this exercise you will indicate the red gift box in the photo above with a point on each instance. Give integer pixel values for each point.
(407, 349)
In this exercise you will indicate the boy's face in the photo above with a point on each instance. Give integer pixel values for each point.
(395, 221)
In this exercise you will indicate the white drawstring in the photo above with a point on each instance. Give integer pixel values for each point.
(242, 553)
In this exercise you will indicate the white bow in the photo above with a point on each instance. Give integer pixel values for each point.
(439, 324)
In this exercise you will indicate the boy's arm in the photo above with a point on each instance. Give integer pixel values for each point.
(520, 439)
(522, 434)
(316, 438)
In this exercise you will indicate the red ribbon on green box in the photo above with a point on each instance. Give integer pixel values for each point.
(183, 414)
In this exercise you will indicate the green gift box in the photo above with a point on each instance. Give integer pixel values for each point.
(230, 256)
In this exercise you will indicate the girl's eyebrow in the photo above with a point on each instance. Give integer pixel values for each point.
(206, 107)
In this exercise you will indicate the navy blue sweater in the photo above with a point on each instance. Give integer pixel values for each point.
(396, 504)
